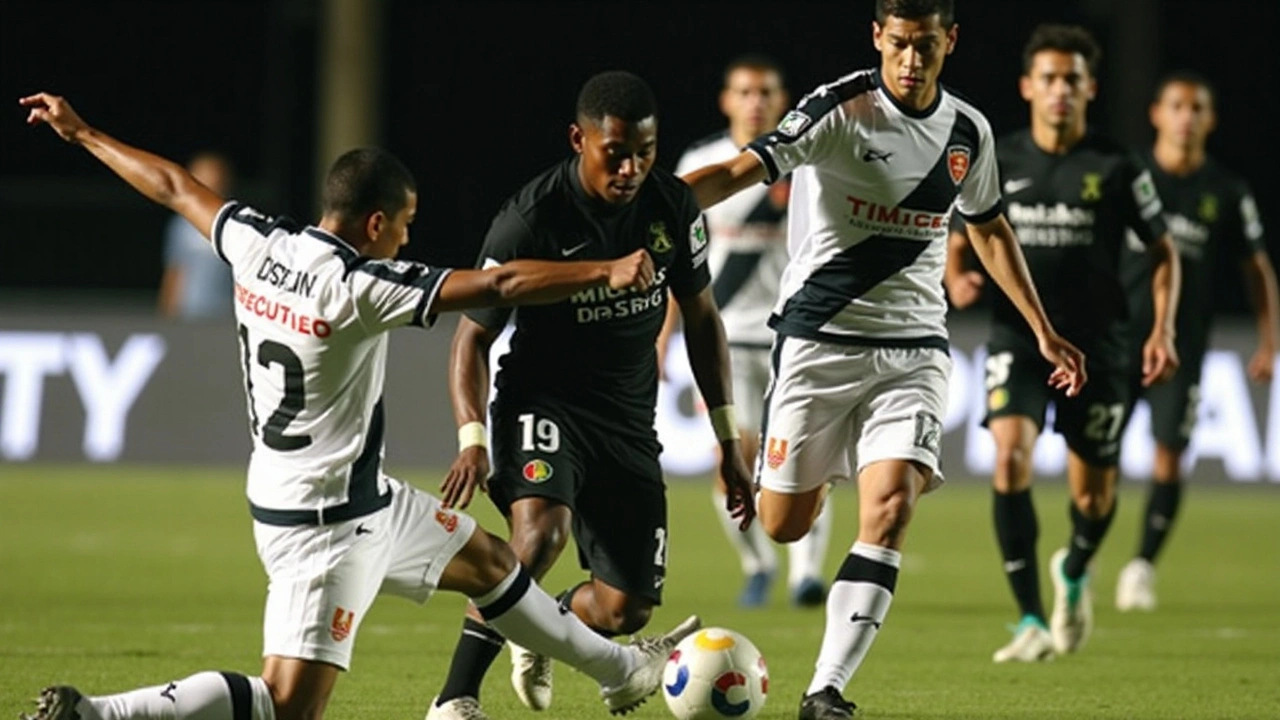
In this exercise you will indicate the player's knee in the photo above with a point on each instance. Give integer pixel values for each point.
(783, 527)
(1093, 504)
(1012, 468)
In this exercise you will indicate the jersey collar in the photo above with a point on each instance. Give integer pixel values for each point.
(347, 252)
(878, 81)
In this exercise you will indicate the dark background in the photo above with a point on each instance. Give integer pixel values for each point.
(476, 97)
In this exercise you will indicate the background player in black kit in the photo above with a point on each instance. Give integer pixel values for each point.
(574, 445)
(1070, 195)
(1210, 211)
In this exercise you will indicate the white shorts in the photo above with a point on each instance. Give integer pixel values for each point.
(323, 579)
(834, 409)
(750, 371)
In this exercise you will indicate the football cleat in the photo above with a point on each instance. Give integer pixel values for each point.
(826, 704)
(1072, 618)
(461, 708)
(645, 679)
(59, 703)
(1031, 643)
(1136, 586)
(531, 677)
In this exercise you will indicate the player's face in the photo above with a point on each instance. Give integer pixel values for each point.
(1059, 88)
(616, 156)
(911, 56)
(753, 99)
(389, 233)
(1183, 114)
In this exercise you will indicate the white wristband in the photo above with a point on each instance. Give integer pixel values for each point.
(472, 434)
(724, 420)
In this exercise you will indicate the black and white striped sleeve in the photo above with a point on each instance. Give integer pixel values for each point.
(394, 293)
(237, 228)
(804, 135)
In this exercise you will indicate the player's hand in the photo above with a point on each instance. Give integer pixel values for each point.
(1159, 358)
(1068, 361)
(470, 470)
(740, 489)
(56, 113)
(1262, 364)
(964, 288)
(633, 272)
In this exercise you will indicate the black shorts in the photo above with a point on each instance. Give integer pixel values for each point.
(1017, 382)
(1175, 402)
(613, 486)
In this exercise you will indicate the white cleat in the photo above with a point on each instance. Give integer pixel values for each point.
(646, 677)
(1136, 586)
(1072, 619)
(463, 708)
(1031, 643)
(531, 677)
(60, 702)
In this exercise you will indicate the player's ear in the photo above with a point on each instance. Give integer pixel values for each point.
(1093, 88)
(374, 224)
(1024, 86)
(576, 138)
(952, 35)
(876, 31)
(724, 102)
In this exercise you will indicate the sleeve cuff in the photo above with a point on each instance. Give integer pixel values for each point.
(986, 216)
(422, 315)
(770, 166)
(219, 221)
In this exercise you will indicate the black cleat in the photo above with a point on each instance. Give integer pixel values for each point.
(826, 704)
(56, 703)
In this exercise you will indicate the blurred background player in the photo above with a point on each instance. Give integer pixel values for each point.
(1211, 213)
(748, 254)
(879, 158)
(1070, 194)
(573, 417)
(196, 284)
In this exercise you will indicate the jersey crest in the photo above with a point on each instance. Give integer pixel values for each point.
(1091, 187)
(958, 162)
(660, 241)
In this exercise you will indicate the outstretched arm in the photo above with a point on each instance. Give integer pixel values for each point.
(708, 352)
(717, 181)
(534, 282)
(997, 248)
(160, 180)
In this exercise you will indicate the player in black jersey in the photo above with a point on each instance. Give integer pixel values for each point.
(1210, 211)
(1071, 194)
(574, 445)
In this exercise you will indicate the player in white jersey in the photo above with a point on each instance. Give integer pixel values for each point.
(747, 256)
(878, 160)
(313, 306)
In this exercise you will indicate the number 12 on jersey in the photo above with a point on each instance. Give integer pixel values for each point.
(270, 353)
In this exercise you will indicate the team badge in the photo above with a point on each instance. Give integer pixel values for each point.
(340, 628)
(660, 242)
(775, 453)
(794, 123)
(958, 163)
(447, 520)
(537, 471)
(1091, 187)
(1208, 207)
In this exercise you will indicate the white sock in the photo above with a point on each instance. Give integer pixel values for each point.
(805, 555)
(856, 606)
(529, 617)
(755, 552)
(203, 696)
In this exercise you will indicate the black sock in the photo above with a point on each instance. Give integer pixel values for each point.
(1086, 536)
(1017, 531)
(1162, 508)
(477, 648)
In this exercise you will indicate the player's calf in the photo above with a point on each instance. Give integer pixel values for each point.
(608, 609)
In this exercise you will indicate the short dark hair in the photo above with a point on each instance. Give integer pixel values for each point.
(1184, 77)
(364, 181)
(916, 9)
(1072, 39)
(755, 61)
(616, 93)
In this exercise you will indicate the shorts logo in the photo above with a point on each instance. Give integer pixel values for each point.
(340, 629)
(447, 520)
(660, 242)
(928, 432)
(958, 163)
(537, 471)
(775, 453)
(997, 399)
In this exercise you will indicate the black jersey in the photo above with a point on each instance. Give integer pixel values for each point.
(594, 354)
(1211, 213)
(1070, 213)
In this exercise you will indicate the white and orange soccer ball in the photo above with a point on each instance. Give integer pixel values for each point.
(715, 673)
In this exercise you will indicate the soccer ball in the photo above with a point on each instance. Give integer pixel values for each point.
(715, 673)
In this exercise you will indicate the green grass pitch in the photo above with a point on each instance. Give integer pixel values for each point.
(115, 577)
